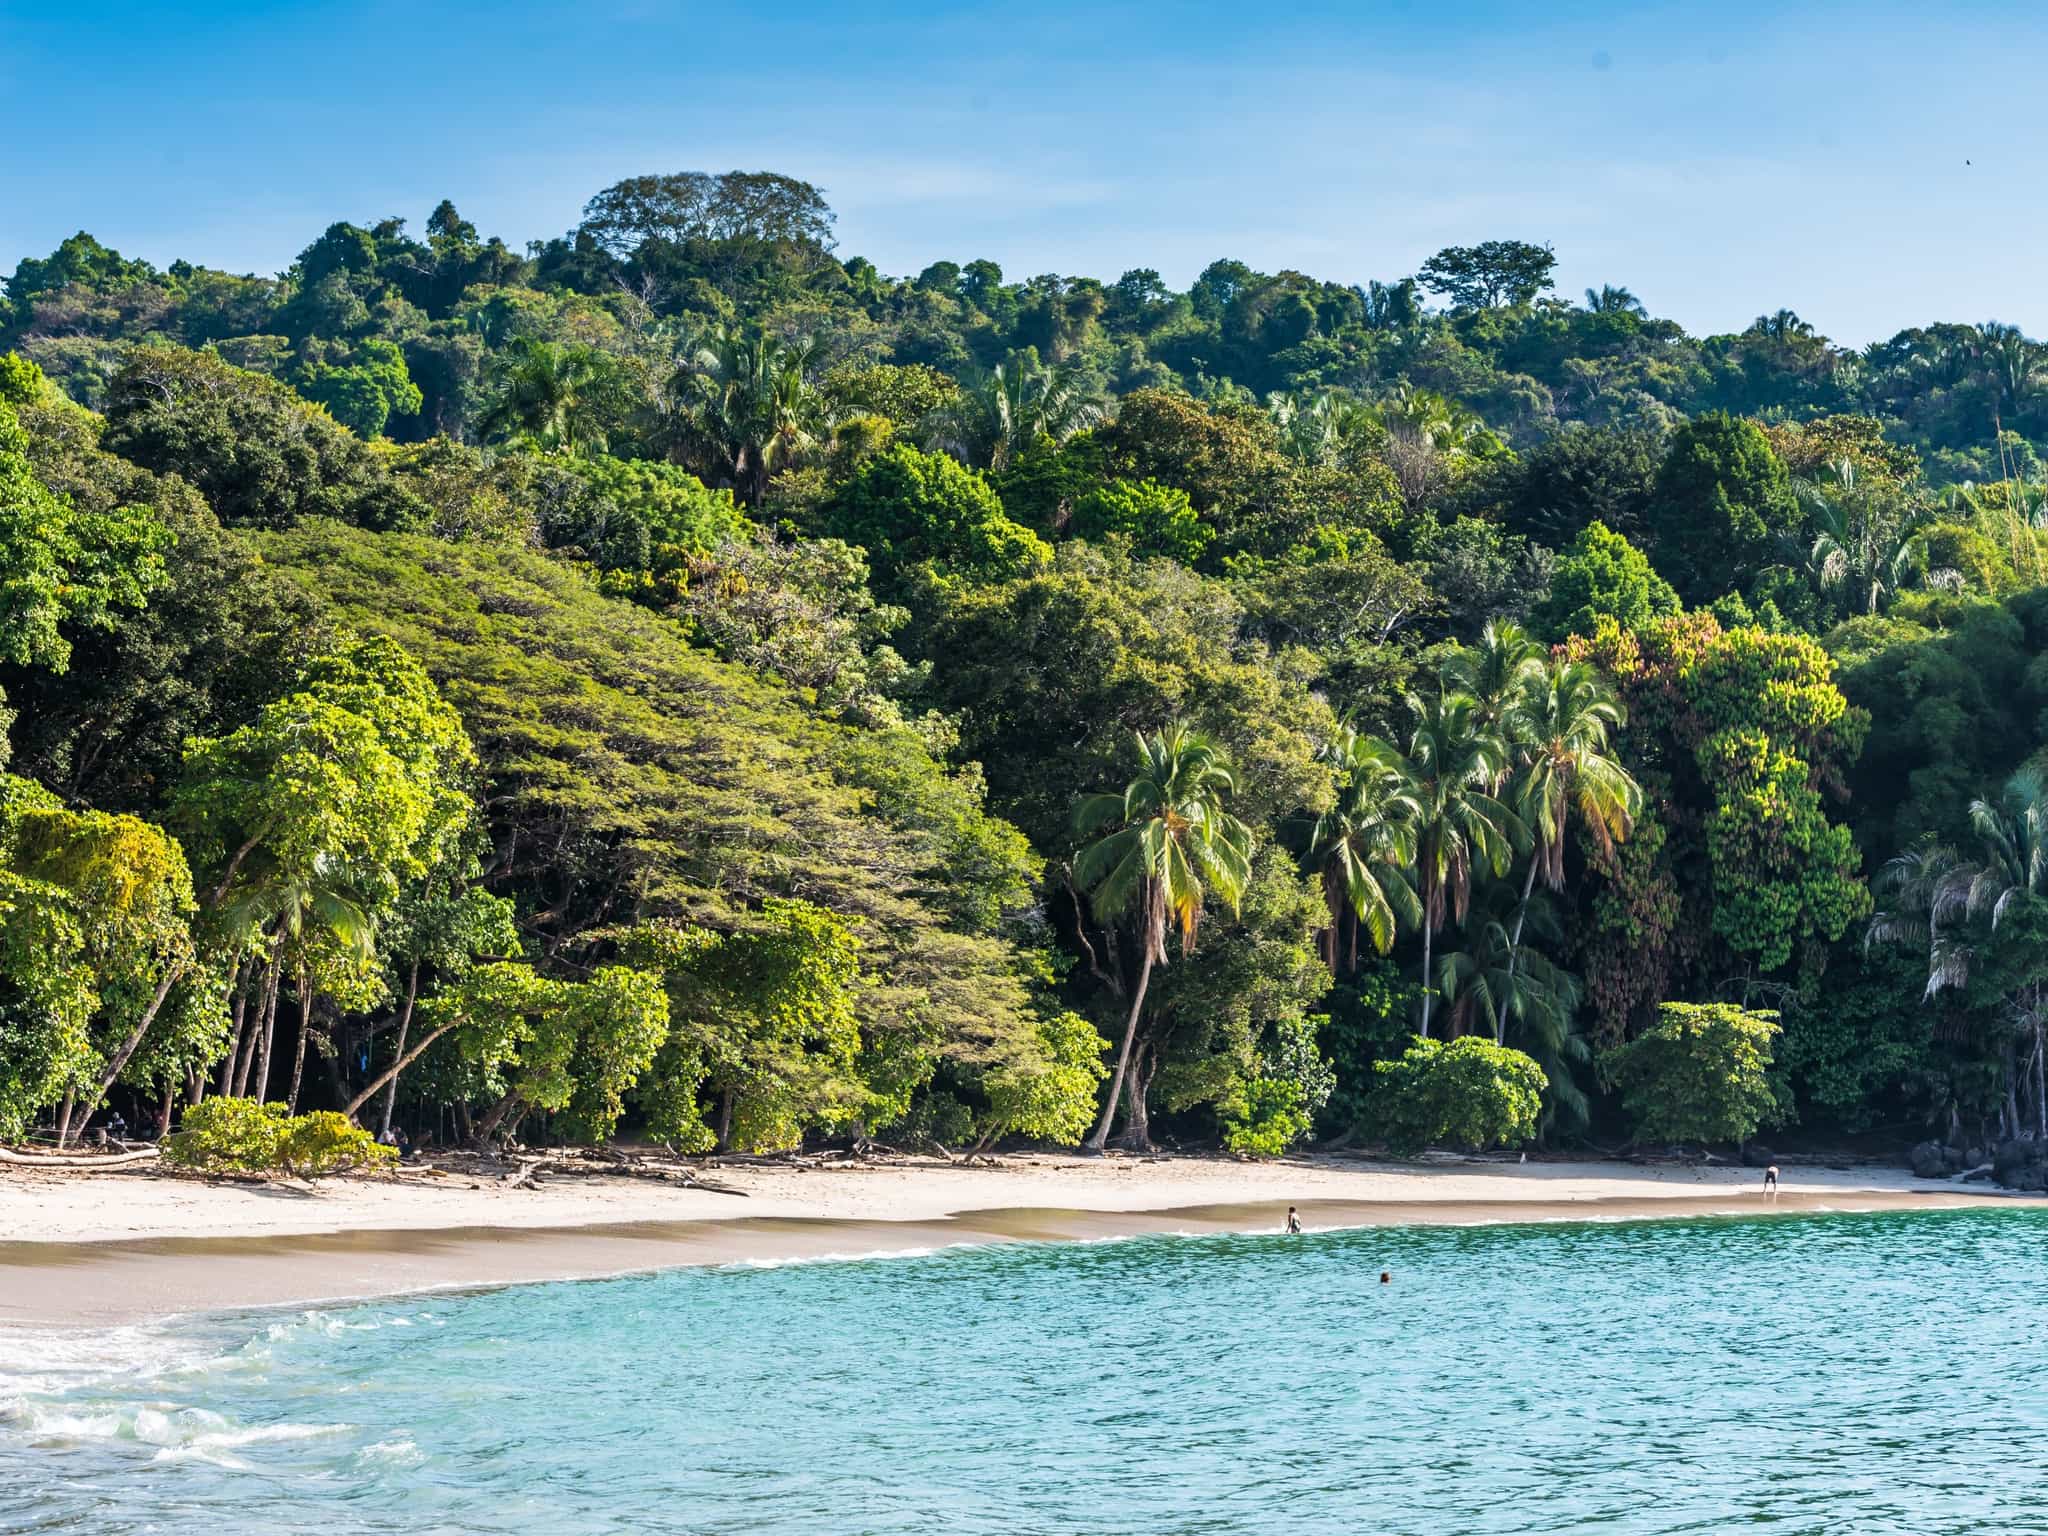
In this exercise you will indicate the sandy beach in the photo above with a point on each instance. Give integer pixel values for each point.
(120, 1246)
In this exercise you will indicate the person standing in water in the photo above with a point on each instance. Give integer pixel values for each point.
(1293, 1219)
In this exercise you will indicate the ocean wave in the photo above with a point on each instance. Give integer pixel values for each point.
(400, 1452)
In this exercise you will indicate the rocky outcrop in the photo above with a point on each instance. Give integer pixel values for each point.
(2021, 1165)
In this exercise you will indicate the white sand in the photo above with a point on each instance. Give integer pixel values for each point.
(43, 1207)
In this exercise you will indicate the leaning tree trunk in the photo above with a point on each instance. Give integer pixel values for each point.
(412, 992)
(390, 1075)
(1099, 1137)
(120, 1057)
(238, 984)
(487, 1127)
(266, 1033)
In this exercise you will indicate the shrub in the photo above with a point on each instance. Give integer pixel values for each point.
(1263, 1116)
(1700, 1073)
(227, 1135)
(325, 1143)
(1467, 1092)
(230, 1135)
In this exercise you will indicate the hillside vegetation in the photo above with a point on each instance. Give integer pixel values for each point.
(677, 680)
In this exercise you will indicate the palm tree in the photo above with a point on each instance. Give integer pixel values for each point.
(1563, 720)
(1931, 891)
(1015, 405)
(1363, 844)
(1453, 762)
(1495, 671)
(741, 407)
(1482, 984)
(2011, 362)
(306, 917)
(1866, 541)
(1430, 439)
(1168, 847)
(1329, 428)
(1609, 300)
(544, 391)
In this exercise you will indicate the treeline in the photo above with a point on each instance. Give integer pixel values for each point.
(673, 678)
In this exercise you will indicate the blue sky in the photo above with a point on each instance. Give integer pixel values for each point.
(1719, 159)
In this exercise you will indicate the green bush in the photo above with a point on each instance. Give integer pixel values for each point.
(1263, 1116)
(325, 1142)
(1700, 1073)
(1467, 1092)
(230, 1135)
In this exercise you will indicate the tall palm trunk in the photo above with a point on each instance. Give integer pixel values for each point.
(299, 1056)
(1500, 1023)
(266, 1033)
(1099, 1137)
(238, 984)
(2040, 1077)
(1137, 1099)
(1428, 995)
(2011, 1111)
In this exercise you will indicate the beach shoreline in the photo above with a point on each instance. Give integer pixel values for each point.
(122, 1247)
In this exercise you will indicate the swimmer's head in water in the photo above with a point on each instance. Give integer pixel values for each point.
(1385, 1277)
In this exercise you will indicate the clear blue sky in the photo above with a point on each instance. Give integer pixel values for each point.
(1719, 159)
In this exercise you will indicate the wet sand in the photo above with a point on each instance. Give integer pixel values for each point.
(104, 1283)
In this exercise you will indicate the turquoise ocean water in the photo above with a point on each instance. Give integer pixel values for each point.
(1866, 1374)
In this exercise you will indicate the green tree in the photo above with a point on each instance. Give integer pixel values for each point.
(1493, 273)
(1157, 519)
(905, 507)
(112, 898)
(1980, 922)
(1452, 764)
(741, 407)
(1722, 504)
(1168, 845)
(1055, 1103)
(1699, 1074)
(1016, 406)
(1468, 1092)
(364, 393)
(1363, 845)
(63, 568)
(557, 395)
(1602, 576)
(1567, 774)
(1867, 545)
(256, 451)
(765, 1022)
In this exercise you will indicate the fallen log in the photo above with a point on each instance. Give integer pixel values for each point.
(78, 1160)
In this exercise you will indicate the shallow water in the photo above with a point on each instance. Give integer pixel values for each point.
(1869, 1374)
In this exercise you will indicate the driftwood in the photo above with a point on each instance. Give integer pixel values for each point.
(533, 1171)
(77, 1160)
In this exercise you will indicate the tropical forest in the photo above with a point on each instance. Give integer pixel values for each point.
(673, 681)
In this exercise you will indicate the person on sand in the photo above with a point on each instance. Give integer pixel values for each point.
(1293, 1219)
(1771, 1180)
